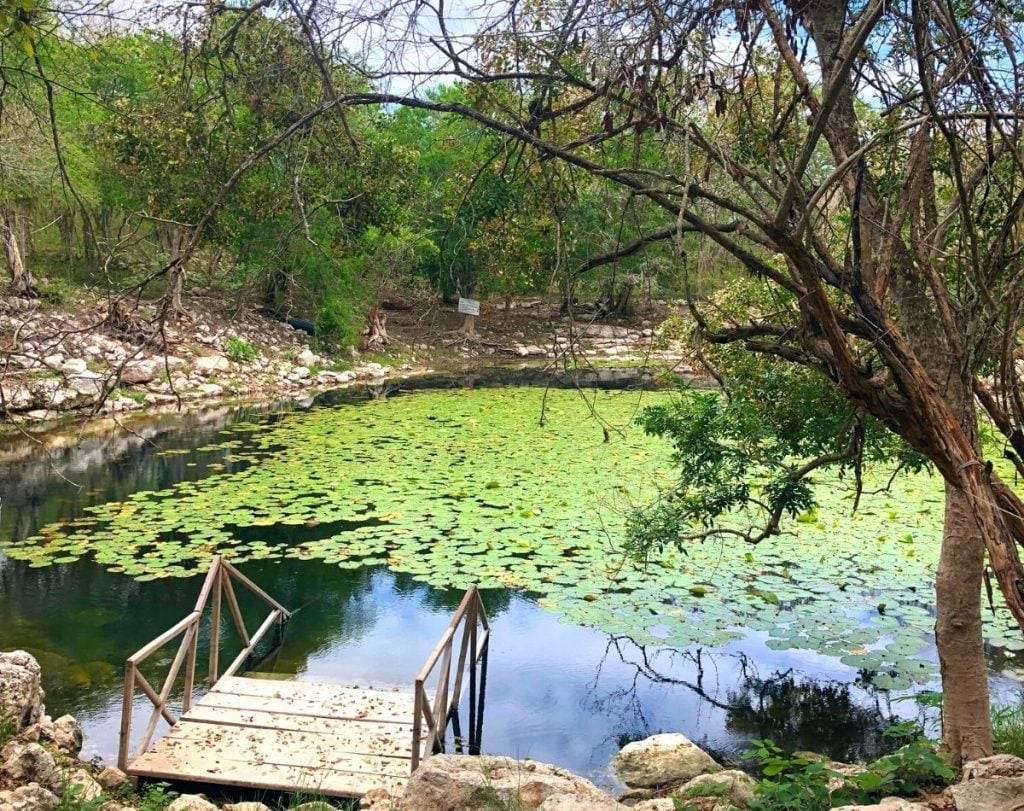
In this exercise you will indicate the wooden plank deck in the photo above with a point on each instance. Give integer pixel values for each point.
(289, 736)
(271, 735)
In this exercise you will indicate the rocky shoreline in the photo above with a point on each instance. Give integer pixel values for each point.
(40, 771)
(55, 363)
(61, 364)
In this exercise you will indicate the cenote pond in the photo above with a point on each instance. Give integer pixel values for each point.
(371, 517)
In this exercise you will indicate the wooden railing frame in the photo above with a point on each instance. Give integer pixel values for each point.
(217, 584)
(471, 619)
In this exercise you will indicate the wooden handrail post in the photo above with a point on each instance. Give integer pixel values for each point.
(441, 708)
(217, 585)
(190, 669)
(472, 690)
(417, 724)
(236, 612)
(469, 619)
(127, 700)
(168, 685)
(245, 581)
(215, 626)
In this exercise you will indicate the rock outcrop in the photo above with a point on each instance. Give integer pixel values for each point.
(65, 733)
(24, 763)
(729, 790)
(21, 696)
(989, 794)
(111, 778)
(191, 802)
(81, 784)
(31, 797)
(887, 804)
(463, 783)
(662, 760)
(993, 766)
(61, 363)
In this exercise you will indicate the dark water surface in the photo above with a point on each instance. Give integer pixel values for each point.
(555, 692)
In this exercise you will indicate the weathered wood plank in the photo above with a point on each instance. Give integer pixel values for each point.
(351, 736)
(357, 705)
(358, 737)
(301, 723)
(263, 686)
(211, 744)
(293, 779)
(268, 734)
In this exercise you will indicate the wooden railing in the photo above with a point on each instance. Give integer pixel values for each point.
(470, 620)
(217, 584)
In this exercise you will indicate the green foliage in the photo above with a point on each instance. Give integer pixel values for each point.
(8, 728)
(315, 800)
(72, 798)
(19, 21)
(414, 509)
(745, 457)
(1008, 729)
(790, 782)
(673, 328)
(240, 350)
(700, 791)
(156, 797)
(804, 782)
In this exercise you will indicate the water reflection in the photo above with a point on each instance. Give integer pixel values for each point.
(54, 478)
(555, 692)
(843, 720)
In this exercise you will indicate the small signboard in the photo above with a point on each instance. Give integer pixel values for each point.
(469, 306)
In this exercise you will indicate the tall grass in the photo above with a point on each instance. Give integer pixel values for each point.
(1008, 729)
(8, 728)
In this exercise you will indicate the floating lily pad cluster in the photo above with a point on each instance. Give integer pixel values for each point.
(467, 487)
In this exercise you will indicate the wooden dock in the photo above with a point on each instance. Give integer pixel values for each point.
(275, 735)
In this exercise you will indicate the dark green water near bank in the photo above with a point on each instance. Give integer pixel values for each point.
(557, 691)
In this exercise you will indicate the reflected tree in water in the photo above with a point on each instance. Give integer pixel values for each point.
(841, 720)
(806, 715)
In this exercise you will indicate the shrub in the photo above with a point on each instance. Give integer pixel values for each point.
(240, 351)
(801, 783)
(72, 799)
(156, 797)
(673, 328)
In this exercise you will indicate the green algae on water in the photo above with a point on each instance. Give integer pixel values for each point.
(468, 487)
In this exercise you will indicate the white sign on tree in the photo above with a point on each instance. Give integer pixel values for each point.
(469, 306)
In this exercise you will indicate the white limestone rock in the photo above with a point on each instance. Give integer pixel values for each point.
(662, 760)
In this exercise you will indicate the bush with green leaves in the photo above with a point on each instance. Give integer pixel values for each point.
(692, 797)
(673, 328)
(790, 782)
(747, 456)
(156, 797)
(805, 782)
(240, 350)
(73, 798)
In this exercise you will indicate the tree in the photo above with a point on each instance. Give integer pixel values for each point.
(880, 195)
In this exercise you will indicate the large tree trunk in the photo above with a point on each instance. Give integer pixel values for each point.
(66, 226)
(21, 279)
(375, 335)
(175, 287)
(173, 238)
(966, 730)
(23, 229)
(946, 424)
(90, 247)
